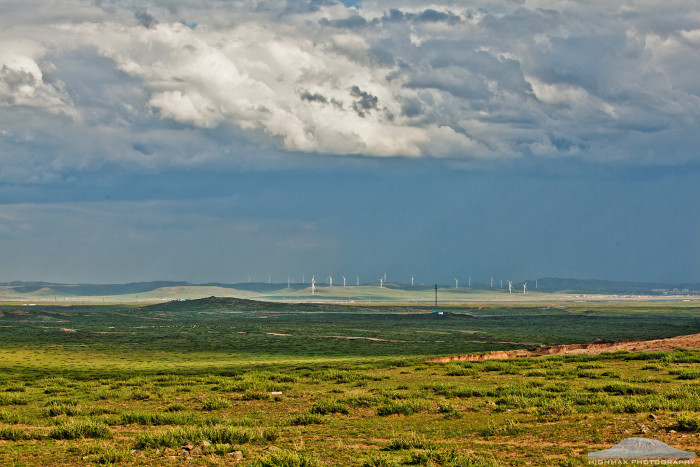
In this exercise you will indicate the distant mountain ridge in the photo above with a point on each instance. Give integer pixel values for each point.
(546, 284)
(551, 284)
(88, 290)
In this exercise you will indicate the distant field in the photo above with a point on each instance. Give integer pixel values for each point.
(325, 384)
(143, 293)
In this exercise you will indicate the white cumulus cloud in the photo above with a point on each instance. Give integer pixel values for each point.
(484, 81)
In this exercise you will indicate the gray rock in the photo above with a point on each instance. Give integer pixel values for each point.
(641, 448)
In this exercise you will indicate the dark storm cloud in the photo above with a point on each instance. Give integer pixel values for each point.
(364, 101)
(351, 22)
(145, 18)
(313, 97)
(13, 80)
(434, 16)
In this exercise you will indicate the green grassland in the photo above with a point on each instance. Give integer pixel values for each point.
(325, 384)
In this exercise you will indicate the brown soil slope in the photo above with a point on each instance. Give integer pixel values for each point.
(691, 341)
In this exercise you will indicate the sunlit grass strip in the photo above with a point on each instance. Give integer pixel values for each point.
(76, 429)
(219, 434)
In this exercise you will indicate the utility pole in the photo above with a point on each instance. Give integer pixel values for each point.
(435, 298)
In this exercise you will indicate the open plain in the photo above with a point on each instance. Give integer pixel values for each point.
(224, 380)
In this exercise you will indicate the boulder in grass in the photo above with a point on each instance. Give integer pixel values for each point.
(188, 446)
(641, 448)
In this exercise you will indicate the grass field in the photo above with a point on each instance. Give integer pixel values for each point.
(329, 385)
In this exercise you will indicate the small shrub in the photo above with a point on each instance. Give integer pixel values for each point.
(306, 419)
(175, 408)
(379, 460)
(432, 457)
(461, 371)
(13, 434)
(11, 417)
(80, 429)
(688, 423)
(405, 443)
(6, 399)
(55, 409)
(285, 458)
(215, 403)
(100, 394)
(102, 411)
(151, 419)
(403, 407)
(555, 408)
(688, 374)
(255, 396)
(217, 434)
(221, 449)
(588, 366)
(223, 434)
(263, 435)
(167, 439)
(364, 400)
(449, 390)
(327, 406)
(623, 389)
(139, 395)
(448, 410)
(15, 388)
(508, 427)
(110, 455)
(342, 376)
(284, 378)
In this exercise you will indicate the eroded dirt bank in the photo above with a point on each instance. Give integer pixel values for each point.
(691, 341)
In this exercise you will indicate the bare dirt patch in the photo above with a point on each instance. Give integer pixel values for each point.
(376, 339)
(691, 341)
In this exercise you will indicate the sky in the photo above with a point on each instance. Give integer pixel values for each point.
(213, 141)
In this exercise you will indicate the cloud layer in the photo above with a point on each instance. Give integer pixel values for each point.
(171, 84)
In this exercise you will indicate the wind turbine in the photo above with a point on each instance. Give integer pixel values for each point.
(470, 281)
(411, 280)
(524, 288)
(343, 281)
(287, 281)
(536, 283)
(456, 282)
(331, 279)
(492, 282)
(358, 280)
(510, 286)
(313, 285)
(384, 277)
(381, 283)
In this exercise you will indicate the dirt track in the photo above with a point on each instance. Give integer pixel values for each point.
(691, 341)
